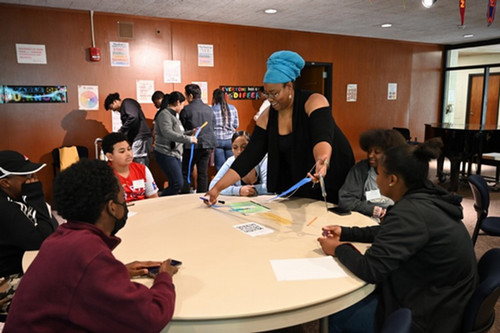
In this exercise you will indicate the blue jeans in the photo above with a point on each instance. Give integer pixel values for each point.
(172, 168)
(358, 318)
(223, 151)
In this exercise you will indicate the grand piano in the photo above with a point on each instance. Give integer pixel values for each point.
(463, 143)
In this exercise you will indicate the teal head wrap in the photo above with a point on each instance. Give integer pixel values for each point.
(283, 66)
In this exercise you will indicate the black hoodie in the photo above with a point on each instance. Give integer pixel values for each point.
(421, 258)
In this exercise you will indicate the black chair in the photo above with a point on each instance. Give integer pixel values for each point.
(83, 152)
(405, 132)
(479, 314)
(489, 224)
(398, 322)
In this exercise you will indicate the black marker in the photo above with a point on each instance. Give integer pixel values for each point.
(219, 201)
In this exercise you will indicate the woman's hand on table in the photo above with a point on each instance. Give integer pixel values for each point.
(138, 268)
(213, 194)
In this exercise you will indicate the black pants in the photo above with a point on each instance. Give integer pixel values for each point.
(200, 159)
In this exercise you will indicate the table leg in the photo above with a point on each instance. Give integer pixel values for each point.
(323, 325)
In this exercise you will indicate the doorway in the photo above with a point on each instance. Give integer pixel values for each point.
(317, 77)
(475, 99)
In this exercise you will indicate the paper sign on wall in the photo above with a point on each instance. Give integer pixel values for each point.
(120, 55)
(31, 54)
(205, 55)
(392, 91)
(172, 71)
(145, 89)
(88, 97)
(352, 92)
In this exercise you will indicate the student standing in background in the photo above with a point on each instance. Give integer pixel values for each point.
(226, 123)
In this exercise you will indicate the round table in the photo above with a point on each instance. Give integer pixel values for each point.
(226, 282)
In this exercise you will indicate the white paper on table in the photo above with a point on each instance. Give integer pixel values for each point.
(307, 269)
(253, 229)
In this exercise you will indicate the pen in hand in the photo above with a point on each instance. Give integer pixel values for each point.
(219, 201)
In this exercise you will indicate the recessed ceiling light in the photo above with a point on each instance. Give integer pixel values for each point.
(270, 11)
(468, 35)
(428, 3)
(386, 25)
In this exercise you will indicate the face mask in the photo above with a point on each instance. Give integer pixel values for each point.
(120, 223)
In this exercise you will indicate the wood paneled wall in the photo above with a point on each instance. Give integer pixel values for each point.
(240, 57)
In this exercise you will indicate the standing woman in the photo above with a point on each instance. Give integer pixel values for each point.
(170, 137)
(226, 123)
(299, 134)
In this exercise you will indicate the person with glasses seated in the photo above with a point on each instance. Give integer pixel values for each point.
(360, 191)
(297, 132)
(25, 222)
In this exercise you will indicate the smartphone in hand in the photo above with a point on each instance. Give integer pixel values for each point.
(153, 271)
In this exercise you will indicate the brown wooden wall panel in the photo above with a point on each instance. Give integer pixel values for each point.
(240, 56)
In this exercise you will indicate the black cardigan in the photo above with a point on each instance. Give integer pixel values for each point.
(306, 133)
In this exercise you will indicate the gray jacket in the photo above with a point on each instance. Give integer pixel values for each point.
(352, 194)
(169, 134)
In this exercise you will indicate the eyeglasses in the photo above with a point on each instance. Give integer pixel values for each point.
(271, 95)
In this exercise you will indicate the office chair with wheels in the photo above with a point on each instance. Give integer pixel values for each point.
(479, 314)
(489, 224)
(398, 322)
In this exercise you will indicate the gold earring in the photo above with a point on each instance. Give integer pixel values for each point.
(390, 185)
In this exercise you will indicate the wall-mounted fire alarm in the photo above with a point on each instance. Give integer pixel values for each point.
(95, 54)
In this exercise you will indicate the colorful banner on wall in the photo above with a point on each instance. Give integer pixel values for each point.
(35, 94)
(241, 92)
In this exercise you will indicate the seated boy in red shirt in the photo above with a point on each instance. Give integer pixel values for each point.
(136, 179)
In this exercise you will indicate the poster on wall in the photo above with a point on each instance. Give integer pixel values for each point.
(88, 97)
(241, 92)
(145, 89)
(352, 92)
(205, 55)
(204, 90)
(35, 94)
(172, 71)
(120, 55)
(31, 54)
(392, 91)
